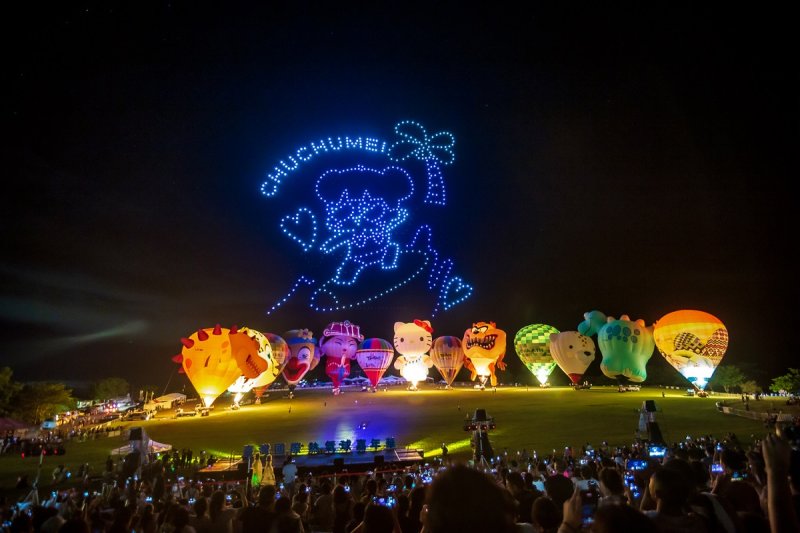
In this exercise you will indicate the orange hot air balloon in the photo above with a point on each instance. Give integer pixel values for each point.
(251, 353)
(448, 357)
(262, 349)
(693, 342)
(208, 362)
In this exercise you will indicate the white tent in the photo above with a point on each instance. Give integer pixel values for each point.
(152, 447)
(168, 401)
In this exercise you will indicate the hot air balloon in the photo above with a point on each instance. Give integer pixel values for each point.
(484, 348)
(626, 345)
(339, 343)
(260, 345)
(374, 356)
(448, 357)
(572, 352)
(532, 344)
(412, 340)
(693, 342)
(278, 354)
(208, 362)
(303, 355)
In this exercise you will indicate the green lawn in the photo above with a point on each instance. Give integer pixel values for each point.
(535, 419)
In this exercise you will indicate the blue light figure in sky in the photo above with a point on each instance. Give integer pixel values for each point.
(367, 221)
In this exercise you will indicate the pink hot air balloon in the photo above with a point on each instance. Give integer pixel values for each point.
(374, 356)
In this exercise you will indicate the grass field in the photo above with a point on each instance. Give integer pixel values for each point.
(530, 418)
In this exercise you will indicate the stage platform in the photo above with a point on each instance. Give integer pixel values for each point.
(333, 462)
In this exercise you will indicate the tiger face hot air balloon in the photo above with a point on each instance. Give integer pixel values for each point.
(484, 348)
(693, 342)
(532, 344)
(208, 362)
(374, 356)
(572, 352)
(448, 357)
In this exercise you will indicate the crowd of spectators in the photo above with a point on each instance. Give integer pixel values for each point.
(701, 484)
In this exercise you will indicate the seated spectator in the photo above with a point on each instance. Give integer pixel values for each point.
(545, 516)
(670, 489)
(464, 500)
(261, 516)
(322, 509)
(342, 509)
(358, 516)
(378, 519)
(616, 518)
(286, 520)
(523, 497)
(612, 487)
(559, 489)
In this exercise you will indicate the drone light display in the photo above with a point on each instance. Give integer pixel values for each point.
(361, 225)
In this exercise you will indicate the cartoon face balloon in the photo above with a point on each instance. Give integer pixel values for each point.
(533, 348)
(374, 357)
(248, 353)
(208, 362)
(693, 342)
(484, 348)
(572, 352)
(339, 344)
(448, 357)
(413, 340)
(304, 355)
(280, 352)
(626, 345)
(264, 353)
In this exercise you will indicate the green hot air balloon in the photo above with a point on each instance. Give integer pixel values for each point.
(532, 344)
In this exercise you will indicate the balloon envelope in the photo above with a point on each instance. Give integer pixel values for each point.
(448, 357)
(264, 352)
(209, 363)
(532, 344)
(693, 342)
(572, 352)
(374, 357)
(303, 355)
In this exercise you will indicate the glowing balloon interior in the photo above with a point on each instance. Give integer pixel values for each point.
(626, 345)
(209, 363)
(448, 357)
(532, 344)
(572, 352)
(374, 356)
(693, 342)
(484, 348)
(412, 340)
(263, 349)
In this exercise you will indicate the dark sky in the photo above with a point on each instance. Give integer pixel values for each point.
(635, 162)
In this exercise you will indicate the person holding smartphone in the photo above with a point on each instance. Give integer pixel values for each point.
(221, 513)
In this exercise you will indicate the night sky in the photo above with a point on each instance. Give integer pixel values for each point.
(632, 162)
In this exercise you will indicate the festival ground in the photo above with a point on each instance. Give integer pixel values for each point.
(527, 417)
